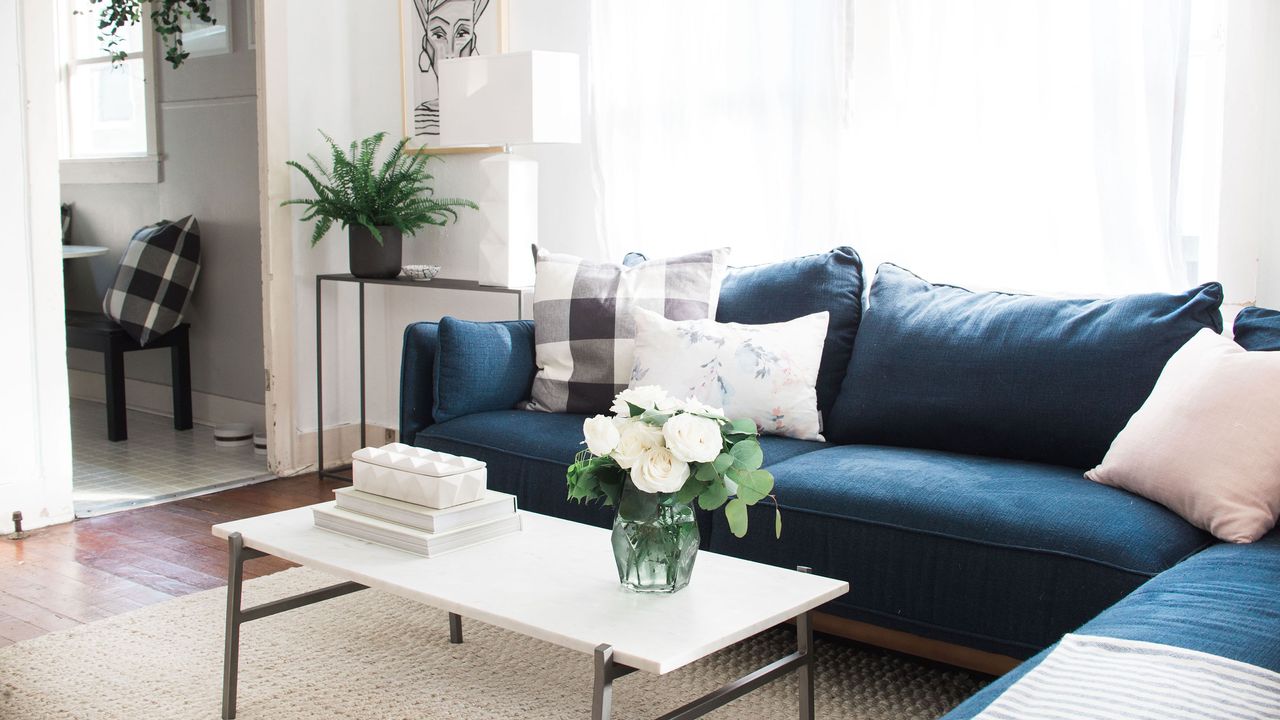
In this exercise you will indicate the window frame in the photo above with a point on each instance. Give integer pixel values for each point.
(134, 168)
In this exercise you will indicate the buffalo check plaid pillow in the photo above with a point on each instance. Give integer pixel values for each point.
(584, 326)
(155, 278)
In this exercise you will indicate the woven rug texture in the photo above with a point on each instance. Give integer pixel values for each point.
(374, 655)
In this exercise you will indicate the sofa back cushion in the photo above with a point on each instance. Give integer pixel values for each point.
(1016, 376)
(1257, 328)
(482, 366)
(802, 286)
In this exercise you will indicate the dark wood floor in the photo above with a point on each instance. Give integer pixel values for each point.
(70, 574)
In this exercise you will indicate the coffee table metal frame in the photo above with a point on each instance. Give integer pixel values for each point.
(800, 662)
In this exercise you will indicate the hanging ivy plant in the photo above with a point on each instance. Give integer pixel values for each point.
(167, 17)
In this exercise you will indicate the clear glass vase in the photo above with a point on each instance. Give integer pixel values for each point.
(656, 555)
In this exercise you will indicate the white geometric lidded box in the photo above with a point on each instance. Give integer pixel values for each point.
(417, 475)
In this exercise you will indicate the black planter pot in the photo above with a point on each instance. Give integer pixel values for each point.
(371, 259)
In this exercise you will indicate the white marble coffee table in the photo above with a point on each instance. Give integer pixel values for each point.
(554, 581)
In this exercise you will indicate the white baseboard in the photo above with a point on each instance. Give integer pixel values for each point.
(157, 399)
(339, 442)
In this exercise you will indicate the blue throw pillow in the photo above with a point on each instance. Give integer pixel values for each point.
(782, 291)
(1015, 376)
(482, 366)
(1257, 328)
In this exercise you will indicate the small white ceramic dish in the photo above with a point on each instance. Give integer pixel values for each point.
(421, 273)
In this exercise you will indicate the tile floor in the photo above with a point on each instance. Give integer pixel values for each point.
(156, 463)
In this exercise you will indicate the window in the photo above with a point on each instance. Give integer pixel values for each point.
(1200, 177)
(107, 129)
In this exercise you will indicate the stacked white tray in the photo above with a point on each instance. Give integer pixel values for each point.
(417, 475)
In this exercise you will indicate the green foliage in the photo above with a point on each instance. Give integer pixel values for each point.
(356, 191)
(167, 17)
(734, 480)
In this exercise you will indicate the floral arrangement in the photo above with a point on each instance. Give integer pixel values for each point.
(657, 450)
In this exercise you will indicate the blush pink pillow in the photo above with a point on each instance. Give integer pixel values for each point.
(1206, 443)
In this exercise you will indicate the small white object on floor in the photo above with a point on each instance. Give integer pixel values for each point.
(417, 475)
(1101, 678)
(233, 435)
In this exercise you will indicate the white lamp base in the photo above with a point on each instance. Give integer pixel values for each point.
(509, 212)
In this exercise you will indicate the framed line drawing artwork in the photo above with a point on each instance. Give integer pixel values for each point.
(434, 30)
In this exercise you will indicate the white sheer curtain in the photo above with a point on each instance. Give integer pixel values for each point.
(719, 122)
(1019, 144)
(1026, 144)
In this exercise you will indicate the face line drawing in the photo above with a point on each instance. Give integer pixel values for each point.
(447, 32)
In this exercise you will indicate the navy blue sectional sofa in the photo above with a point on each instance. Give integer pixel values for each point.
(950, 492)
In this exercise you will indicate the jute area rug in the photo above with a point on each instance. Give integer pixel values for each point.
(373, 655)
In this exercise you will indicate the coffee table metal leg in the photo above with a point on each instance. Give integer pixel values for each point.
(804, 673)
(238, 615)
(602, 693)
(231, 655)
(804, 645)
(802, 662)
(455, 628)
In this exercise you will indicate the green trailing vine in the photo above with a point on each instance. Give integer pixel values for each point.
(167, 17)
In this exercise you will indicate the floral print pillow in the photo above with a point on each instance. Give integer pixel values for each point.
(764, 372)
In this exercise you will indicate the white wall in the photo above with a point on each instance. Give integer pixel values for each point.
(35, 424)
(207, 116)
(349, 86)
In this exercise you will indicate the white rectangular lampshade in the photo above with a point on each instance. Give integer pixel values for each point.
(510, 99)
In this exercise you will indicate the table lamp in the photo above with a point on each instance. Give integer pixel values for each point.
(519, 98)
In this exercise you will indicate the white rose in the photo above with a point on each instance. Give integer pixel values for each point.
(692, 438)
(696, 406)
(658, 471)
(602, 435)
(634, 440)
(645, 396)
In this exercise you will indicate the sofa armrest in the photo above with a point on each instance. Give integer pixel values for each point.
(417, 379)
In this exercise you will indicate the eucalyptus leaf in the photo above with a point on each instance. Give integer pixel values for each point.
(736, 513)
(693, 487)
(777, 522)
(743, 426)
(722, 463)
(637, 505)
(713, 496)
(747, 455)
(706, 473)
(753, 485)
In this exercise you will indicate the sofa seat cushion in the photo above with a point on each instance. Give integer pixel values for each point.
(1001, 555)
(1221, 601)
(527, 454)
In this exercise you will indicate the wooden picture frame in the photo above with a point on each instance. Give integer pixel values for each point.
(431, 29)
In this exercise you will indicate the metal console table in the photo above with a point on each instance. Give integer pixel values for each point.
(436, 284)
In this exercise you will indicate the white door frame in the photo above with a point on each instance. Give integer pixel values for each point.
(37, 424)
(284, 456)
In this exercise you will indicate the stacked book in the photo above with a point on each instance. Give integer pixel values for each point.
(418, 500)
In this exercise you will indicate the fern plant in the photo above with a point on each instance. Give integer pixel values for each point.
(355, 190)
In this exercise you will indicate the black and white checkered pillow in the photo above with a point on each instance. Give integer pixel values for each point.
(584, 326)
(155, 278)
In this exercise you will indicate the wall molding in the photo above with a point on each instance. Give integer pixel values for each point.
(157, 399)
(208, 102)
